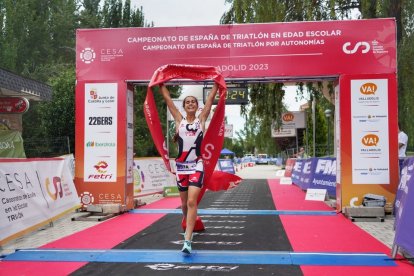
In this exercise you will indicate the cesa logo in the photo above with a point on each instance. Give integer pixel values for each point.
(88, 55)
(86, 198)
(111, 51)
(370, 140)
(365, 47)
(288, 117)
(368, 88)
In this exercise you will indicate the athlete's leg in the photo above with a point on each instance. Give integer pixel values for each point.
(182, 184)
(193, 192)
(184, 208)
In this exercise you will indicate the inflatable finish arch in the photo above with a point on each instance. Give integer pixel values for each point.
(359, 54)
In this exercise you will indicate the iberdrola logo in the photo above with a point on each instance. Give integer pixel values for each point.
(90, 144)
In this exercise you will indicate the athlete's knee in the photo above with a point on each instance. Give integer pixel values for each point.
(191, 203)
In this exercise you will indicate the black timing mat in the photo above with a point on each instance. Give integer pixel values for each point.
(251, 233)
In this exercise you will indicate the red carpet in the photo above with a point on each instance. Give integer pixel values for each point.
(105, 235)
(328, 234)
(291, 197)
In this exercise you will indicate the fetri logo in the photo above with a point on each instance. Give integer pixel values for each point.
(87, 55)
(288, 117)
(368, 88)
(370, 140)
(101, 167)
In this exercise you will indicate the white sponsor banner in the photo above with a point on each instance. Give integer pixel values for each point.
(101, 109)
(294, 119)
(70, 163)
(33, 192)
(316, 194)
(151, 175)
(370, 134)
(283, 132)
(228, 131)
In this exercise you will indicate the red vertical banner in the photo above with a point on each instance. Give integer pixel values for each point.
(368, 155)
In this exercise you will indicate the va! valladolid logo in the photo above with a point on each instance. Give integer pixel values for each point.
(88, 55)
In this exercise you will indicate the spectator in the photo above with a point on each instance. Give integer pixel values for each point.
(301, 153)
(402, 142)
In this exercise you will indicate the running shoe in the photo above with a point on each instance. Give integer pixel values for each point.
(186, 247)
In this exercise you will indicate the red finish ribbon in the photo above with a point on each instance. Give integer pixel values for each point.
(213, 138)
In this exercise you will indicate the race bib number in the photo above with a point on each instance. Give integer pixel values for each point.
(186, 167)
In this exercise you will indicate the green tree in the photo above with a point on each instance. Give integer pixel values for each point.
(48, 122)
(143, 143)
(90, 16)
(37, 40)
(112, 14)
(58, 115)
(126, 14)
(14, 33)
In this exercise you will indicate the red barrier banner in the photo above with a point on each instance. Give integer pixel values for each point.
(243, 51)
(290, 163)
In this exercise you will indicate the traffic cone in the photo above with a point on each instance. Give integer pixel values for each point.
(198, 227)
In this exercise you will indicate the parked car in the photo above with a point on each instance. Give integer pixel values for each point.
(249, 157)
(262, 159)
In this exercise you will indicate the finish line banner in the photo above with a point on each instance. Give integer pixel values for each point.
(33, 193)
(241, 50)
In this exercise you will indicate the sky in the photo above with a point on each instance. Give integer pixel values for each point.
(169, 13)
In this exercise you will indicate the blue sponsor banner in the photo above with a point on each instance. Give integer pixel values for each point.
(226, 165)
(302, 173)
(297, 173)
(308, 170)
(324, 176)
(404, 208)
